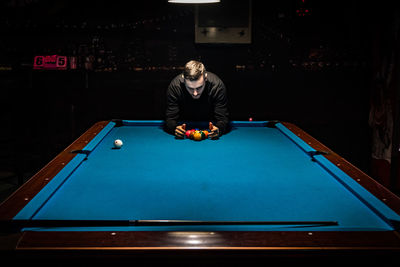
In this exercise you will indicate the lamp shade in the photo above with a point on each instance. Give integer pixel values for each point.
(193, 1)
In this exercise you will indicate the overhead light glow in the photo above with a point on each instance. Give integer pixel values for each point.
(194, 1)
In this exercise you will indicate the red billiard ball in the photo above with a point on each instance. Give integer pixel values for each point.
(250, 119)
(188, 133)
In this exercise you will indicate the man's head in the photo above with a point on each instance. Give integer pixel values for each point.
(195, 77)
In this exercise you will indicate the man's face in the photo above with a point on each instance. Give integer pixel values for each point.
(195, 88)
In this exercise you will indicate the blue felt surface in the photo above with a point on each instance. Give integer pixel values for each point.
(250, 174)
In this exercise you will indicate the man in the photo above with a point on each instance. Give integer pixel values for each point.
(196, 96)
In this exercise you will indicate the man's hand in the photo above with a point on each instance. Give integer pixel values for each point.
(180, 131)
(214, 131)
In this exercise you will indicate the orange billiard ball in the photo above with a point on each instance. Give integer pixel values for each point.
(205, 132)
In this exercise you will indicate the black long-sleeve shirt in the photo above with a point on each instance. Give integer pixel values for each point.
(211, 106)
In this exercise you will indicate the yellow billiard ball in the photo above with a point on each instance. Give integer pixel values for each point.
(191, 135)
(197, 136)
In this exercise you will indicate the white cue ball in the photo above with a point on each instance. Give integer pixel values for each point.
(118, 143)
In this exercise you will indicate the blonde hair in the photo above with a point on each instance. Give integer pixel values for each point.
(193, 70)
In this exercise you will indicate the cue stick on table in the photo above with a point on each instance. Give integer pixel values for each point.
(19, 224)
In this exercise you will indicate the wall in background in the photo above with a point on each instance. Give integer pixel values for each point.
(313, 70)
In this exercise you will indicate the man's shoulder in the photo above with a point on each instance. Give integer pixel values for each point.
(212, 77)
(216, 84)
(176, 83)
(178, 79)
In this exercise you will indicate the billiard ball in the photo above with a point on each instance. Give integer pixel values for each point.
(118, 143)
(191, 134)
(205, 132)
(197, 136)
(250, 119)
(188, 133)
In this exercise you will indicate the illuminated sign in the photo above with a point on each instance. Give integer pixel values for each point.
(53, 62)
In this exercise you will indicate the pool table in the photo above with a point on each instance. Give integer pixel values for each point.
(264, 188)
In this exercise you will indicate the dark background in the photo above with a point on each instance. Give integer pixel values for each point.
(316, 71)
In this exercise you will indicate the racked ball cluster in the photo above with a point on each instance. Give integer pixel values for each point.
(197, 135)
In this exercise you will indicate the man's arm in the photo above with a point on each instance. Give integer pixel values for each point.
(221, 112)
(172, 112)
